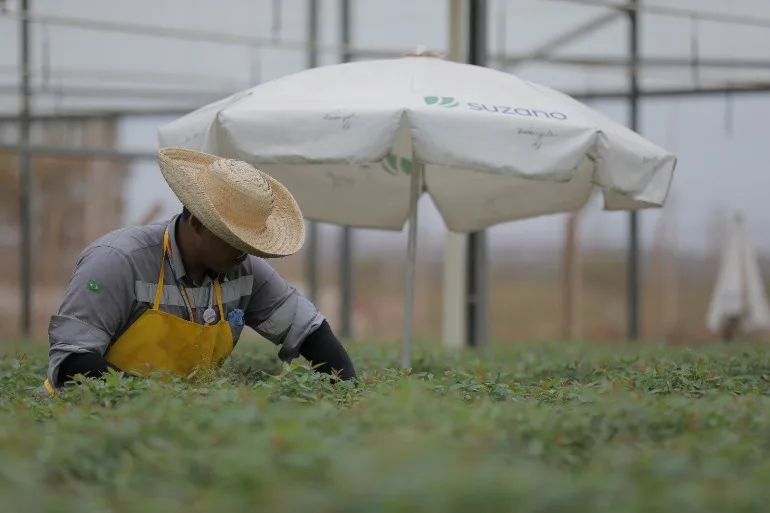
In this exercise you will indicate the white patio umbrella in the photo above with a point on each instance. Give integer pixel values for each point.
(358, 143)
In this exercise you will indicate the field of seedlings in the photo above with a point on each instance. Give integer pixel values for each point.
(528, 427)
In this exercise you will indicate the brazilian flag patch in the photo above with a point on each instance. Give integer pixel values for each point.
(94, 286)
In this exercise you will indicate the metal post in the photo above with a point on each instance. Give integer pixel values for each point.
(346, 283)
(633, 225)
(311, 263)
(455, 297)
(415, 189)
(346, 242)
(25, 177)
(275, 29)
(476, 271)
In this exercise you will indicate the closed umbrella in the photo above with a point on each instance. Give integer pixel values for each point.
(738, 301)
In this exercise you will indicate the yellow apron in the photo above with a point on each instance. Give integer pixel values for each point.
(161, 342)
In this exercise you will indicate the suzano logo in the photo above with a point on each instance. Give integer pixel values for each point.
(396, 165)
(442, 101)
(449, 102)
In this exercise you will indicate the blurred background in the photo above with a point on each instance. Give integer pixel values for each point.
(103, 75)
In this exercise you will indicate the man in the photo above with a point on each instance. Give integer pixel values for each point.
(172, 298)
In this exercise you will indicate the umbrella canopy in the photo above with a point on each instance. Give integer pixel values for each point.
(358, 143)
(492, 147)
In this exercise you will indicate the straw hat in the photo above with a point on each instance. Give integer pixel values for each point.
(243, 206)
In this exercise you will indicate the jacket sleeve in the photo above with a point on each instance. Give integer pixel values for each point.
(278, 312)
(324, 350)
(96, 305)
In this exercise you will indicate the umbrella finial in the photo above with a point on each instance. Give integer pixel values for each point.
(422, 51)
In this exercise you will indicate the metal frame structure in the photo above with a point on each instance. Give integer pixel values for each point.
(311, 262)
(25, 176)
(544, 53)
(347, 287)
(476, 260)
(476, 264)
(632, 267)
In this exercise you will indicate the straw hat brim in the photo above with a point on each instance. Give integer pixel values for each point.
(283, 233)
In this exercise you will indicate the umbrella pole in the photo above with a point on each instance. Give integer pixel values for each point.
(411, 262)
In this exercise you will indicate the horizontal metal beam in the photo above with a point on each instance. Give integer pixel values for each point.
(115, 92)
(102, 153)
(763, 87)
(198, 35)
(644, 62)
(203, 97)
(608, 94)
(146, 29)
(541, 55)
(166, 32)
(677, 12)
(264, 41)
(55, 75)
(82, 115)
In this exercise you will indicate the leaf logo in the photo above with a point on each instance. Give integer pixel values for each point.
(94, 286)
(396, 165)
(442, 101)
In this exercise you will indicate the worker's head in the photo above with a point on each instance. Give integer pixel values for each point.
(232, 209)
(209, 249)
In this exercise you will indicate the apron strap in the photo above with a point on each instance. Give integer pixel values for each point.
(159, 286)
(49, 388)
(218, 296)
